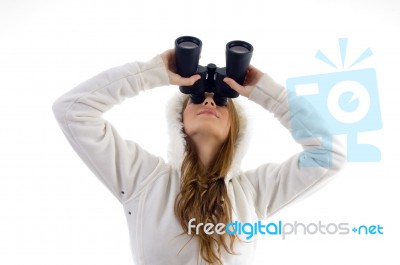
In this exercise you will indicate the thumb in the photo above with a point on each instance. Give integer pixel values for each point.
(235, 86)
(189, 81)
(176, 79)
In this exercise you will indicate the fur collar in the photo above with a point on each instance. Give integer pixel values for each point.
(176, 146)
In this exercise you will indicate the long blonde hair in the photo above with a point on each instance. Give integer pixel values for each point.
(203, 193)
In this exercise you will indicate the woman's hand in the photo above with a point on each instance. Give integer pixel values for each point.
(174, 79)
(252, 77)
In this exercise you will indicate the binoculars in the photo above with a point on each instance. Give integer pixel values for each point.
(187, 55)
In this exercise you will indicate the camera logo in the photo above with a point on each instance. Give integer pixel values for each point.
(348, 102)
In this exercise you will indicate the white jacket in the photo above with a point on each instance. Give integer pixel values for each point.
(147, 186)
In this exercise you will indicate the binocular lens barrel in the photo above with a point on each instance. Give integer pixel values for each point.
(238, 56)
(187, 55)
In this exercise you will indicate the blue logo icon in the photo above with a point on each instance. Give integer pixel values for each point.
(347, 101)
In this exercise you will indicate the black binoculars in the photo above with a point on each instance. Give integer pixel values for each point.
(187, 55)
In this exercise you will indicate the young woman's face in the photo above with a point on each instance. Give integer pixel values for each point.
(207, 118)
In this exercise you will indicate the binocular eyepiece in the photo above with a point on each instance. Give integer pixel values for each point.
(187, 55)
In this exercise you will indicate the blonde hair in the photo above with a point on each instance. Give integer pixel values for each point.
(203, 194)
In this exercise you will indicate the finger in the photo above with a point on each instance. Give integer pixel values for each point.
(188, 81)
(193, 79)
(234, 85)
(251, 68)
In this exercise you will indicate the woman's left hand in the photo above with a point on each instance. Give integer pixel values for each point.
(252, 77)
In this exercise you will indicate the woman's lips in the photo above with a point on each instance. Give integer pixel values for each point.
(208, 112)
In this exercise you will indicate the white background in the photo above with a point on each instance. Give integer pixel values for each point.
(54, 211)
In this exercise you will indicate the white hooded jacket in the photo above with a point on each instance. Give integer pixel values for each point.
(147, 186)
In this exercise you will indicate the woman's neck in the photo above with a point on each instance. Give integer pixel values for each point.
(207, 148)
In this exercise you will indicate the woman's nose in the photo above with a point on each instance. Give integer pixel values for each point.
(209, 101)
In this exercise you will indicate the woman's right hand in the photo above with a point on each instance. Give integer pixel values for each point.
(175, 79)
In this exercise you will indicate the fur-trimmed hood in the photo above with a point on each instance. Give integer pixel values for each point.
(176, 146)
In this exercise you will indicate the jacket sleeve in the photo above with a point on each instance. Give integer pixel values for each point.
(277, 185)
(123, 166)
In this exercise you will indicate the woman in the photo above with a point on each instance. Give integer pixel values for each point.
(166, 204)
